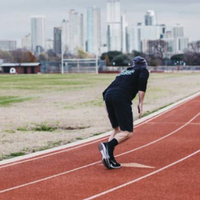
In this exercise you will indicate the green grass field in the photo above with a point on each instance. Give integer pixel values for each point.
(70, 106)
(26, 85)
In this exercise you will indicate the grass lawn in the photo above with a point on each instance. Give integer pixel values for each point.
(47, 110)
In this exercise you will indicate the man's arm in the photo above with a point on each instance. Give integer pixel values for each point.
(143, 78)
(140, 105)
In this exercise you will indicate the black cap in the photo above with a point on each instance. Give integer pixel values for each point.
(140, 61)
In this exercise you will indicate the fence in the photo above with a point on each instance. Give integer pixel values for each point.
(90, 67)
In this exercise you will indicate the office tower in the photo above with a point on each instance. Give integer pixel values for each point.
(76, 36)
(38, 33)
(8, 45)
(170, 46)
(26, 42)
(178, 31)
(183, 44)
(49, 44)
(180, 41)
(150, 18)
(168, 34)
(57, 40)
(65, 36)
(141, 33)
(93, 30)
(114, 25)
(125, 43)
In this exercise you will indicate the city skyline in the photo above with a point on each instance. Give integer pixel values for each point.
(55, 11)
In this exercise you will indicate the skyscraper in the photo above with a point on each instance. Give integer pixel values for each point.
(178, 31)
(65, 36)
(26, 42)
(49, 44)
(142, 33)
(125, 43)
(150, 18)
(76, 36)
(57, 40)
(38, 33)
(93, 30)
(113, 25)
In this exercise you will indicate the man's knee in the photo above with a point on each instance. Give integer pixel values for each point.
(130, 134)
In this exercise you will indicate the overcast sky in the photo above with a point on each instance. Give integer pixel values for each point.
(15, 14)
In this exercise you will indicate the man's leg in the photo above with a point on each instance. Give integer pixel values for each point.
(124, 116)
(123, 136)
(119, 138)
(114, 133)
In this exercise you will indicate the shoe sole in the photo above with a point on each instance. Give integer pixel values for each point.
(114, 167)
(105, 158)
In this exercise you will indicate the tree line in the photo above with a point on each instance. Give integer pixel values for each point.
(156, 55)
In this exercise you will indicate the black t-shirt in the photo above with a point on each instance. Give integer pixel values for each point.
(129, 82)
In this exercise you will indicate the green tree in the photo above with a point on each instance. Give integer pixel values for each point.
(110, 55)
(42, 57)
(122, 60)
(177, 57)
(135, 53)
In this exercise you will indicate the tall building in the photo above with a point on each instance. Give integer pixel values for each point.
(26, 42)
(65, 36)
(49, 44)
(94, 30)
(142, 33)
(177, 42)
(114, 25)
(125, 40)
(38, 33)
(76, 33)
(150, 18)
(8, 45)
(57, 40)
(183, 44)
(178, 31)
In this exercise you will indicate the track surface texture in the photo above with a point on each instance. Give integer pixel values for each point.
(161, 161)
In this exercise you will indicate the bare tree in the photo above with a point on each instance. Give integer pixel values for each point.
(157, 49)
(195, 47)
(192, 57)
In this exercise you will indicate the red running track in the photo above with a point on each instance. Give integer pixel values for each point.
(169, 143)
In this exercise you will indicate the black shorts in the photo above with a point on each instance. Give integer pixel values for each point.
(119, 111)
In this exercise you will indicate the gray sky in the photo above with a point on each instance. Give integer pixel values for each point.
(15, 14)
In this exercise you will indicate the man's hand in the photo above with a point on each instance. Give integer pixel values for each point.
(140, 110)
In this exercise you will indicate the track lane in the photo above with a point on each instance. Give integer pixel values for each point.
(138, 138)
(44, 170)
(195, 98)
(80, 178)
(165, 183)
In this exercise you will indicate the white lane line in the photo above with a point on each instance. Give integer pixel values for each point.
(66, 150)
(142, 177)
(48, 155)
(91, 164)
(47, 178)
(153, 142)
(33, 157)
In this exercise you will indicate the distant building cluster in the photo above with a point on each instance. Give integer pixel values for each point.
(144, 33)
(69, 36)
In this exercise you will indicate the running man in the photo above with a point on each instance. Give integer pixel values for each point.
(118, 100)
